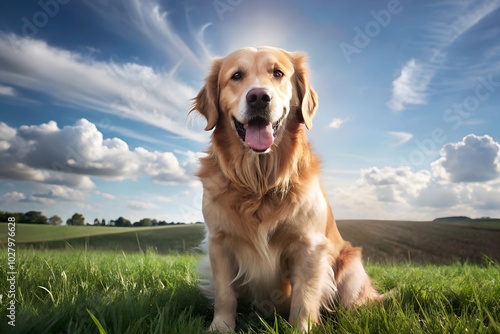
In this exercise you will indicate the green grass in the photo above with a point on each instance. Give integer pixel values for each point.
(163, 239)
(37, 233)
(78, 291)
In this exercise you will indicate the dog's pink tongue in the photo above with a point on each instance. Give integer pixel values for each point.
(259, 134)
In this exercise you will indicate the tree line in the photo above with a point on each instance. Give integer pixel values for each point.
(77, 219)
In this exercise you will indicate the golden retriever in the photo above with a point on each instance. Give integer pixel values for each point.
(271, 236)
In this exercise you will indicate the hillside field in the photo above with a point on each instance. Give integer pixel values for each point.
(382, 241)
(163, 239)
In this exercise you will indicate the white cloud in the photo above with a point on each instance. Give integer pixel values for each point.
(14, 166)
(400, 138)
(485, 197)
(337, 123)
(105, 195)
(62, 193)
(464, 181)
(141, 93)
(164, 199)
(140, 205)
(191, 160)
(70, 155)
(13, 196)
(394, 184)
(6, 90)
(49, 195)
(474, 159)
(411, 85)
(38, 200)
(437, 195)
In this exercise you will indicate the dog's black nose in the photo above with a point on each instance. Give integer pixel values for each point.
(258, 98)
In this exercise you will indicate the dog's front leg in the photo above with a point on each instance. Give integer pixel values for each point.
(225, 296)
(311, 274)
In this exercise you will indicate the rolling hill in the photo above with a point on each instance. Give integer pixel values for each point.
(382, 241)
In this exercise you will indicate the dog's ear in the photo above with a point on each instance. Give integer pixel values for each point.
(307, 97)
(207, 100)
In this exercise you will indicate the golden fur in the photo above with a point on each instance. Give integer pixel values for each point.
(271, 235)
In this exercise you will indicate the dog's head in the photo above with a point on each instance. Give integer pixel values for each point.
(256, 90)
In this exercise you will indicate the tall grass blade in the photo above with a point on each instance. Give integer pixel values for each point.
(50, 293)
(97, 323)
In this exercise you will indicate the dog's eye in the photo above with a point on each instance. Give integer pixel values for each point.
(237, 76)
(277, 73)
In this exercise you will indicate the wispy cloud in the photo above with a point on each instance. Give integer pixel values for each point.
(141, 93)
(105, 195)
(152, 21)
(459, 17)
(6, 90)
(165, 199)
(411, 85)
(122, 131)
(399, 138)
(337, 123)
(141, 205)
(456, 18)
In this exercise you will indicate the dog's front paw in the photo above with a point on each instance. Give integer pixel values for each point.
(220, 324)
(304, 326)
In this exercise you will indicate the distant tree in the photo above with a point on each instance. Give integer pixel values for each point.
(146, 222)
(96, 222)
(4, 216)
(135, 224)
(34, 217)
(103, 222)
(76, 219)
(154, 222)
(123, 222)
(112, 222)
(55, 220)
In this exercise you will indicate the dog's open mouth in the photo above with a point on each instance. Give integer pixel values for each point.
(258, 133)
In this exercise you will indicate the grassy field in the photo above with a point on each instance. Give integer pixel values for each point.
(59, 292)
(31, 233)
(163, 239)
(143, 280)
(382, 241)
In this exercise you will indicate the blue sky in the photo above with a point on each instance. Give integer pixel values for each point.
(94, 100)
